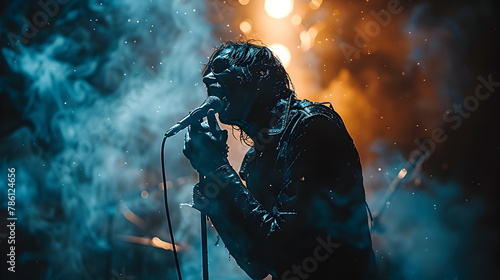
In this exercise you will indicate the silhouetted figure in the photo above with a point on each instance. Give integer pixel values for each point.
(302, 213)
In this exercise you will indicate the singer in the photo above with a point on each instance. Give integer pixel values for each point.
(297, 208)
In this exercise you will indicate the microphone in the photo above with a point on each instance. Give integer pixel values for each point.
(212, 102)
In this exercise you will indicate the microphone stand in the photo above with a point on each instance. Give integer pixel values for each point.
(204, 248)
(204, 245)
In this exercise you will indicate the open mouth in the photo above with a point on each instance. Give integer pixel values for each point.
(216, 85)
(214, 89)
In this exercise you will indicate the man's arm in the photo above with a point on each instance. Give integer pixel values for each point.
(305, 206)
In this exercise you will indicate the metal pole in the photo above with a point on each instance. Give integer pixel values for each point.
(204, 247)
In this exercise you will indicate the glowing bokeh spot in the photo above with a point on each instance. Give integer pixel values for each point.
(305, 40)
(244, 2)
(245, 26)
(313, 32)
(296, 20)
(283, 53)
(315, 4)
(278, 8)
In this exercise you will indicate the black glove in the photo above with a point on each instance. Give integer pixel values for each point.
(205, 145)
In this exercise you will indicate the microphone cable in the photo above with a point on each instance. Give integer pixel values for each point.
(212, 102)
(165, 196)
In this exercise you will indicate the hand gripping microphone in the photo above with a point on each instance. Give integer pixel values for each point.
(212, 102)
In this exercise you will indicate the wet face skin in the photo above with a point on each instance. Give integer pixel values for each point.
(224, 81)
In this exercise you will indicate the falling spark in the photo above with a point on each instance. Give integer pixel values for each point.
(402, 173)
(417, 159)
(155, 242)
(129, 215)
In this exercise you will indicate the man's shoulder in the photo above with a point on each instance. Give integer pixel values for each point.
(317, 118)
(314, 110)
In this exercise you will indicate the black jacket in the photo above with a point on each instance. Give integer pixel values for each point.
(302, 213)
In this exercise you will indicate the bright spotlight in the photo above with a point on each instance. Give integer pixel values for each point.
(278, 8)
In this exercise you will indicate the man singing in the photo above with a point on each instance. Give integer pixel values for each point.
(297, 209)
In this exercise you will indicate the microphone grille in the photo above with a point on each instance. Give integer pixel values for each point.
(214, 102)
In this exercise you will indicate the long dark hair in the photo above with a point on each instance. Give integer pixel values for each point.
(262, 65)
(261, 62)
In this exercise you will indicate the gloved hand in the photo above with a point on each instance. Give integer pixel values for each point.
(205, 145)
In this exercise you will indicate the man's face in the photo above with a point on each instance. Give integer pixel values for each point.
(224, 81)
(217, 66)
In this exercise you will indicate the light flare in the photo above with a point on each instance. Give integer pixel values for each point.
(283, 53)
(278, 8)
